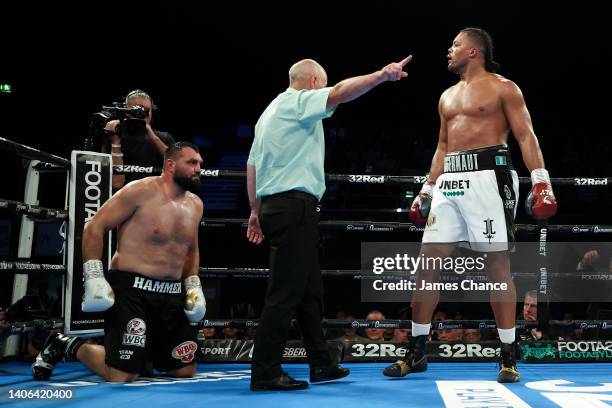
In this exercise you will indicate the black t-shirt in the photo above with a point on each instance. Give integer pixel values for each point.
(138, 151)
(527, 335)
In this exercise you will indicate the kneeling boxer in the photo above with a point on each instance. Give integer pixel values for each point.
(148, 310)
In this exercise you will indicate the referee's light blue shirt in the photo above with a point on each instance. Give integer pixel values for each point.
(288, 151)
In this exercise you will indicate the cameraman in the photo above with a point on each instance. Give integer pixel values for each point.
(132, 148)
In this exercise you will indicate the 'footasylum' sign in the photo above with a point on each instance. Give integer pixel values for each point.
(566, 351)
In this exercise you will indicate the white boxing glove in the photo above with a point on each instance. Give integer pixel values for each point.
(99, 295)
(195, 304)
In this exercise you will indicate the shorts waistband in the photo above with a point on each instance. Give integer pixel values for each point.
(133, 280)
(486, 158)
(301, 195)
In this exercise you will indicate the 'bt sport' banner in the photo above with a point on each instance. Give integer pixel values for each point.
(242, 351)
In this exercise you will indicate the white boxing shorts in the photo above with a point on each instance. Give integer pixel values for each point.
(474, 201)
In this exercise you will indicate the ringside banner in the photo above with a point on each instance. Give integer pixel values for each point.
(355, 351)
(437, 351)
(566, 351)
(90, 187)
(242, 351)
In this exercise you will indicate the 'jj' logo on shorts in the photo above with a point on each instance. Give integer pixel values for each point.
(489, 233)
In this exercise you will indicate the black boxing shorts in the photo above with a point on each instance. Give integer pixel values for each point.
(147, 325)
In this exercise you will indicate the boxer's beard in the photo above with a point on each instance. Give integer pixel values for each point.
(186, 182)
(454, 68)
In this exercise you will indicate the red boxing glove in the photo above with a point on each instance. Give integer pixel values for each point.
(541, 202)
(419, 210)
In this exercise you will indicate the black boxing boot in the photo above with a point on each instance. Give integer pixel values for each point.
(507, 364)
(415, 360)
(56, 347)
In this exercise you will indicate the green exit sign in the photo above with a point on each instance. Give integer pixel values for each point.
(5, 88)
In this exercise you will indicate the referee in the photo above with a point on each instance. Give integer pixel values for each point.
(285, 181)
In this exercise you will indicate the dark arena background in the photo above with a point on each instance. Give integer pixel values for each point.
(211, 69)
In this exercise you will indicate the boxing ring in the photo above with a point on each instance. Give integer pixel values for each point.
(443, 384)
(450, 382)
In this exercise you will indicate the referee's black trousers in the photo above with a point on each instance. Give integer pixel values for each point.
(289, 221)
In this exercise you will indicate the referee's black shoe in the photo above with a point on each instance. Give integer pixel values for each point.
(325, 374)
(283, 382)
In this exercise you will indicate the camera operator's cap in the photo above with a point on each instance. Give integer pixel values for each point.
(142, 94)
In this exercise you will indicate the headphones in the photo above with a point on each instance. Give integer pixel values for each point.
(141, 93)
